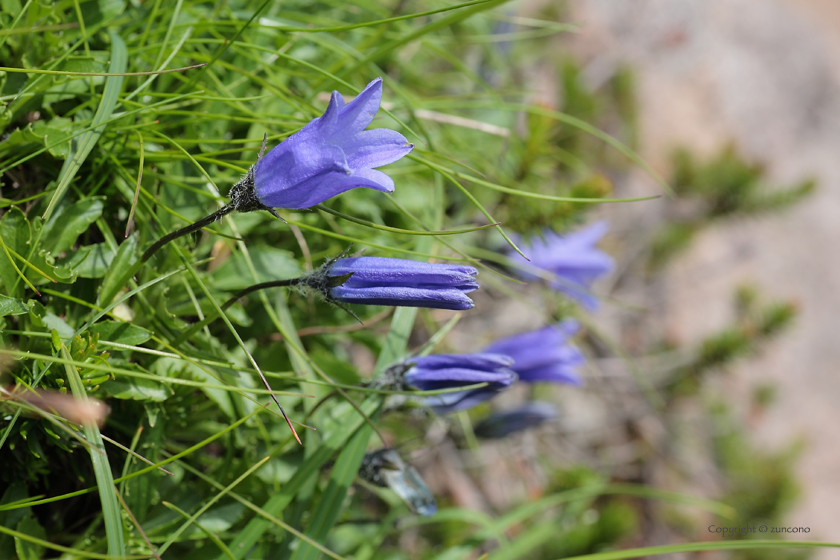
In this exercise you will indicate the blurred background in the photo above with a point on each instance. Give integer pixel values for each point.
(725, 93)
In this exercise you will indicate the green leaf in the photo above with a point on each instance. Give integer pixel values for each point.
(90, 261)
(14, 493)
(329, 508)
(123, 333)
(125, 258)
(270, 264)
(136, 389)
(12, 306)
(14, 229)
(54, 322)
(216, 520)
(68, 223)
(173, 367)
(27, 550)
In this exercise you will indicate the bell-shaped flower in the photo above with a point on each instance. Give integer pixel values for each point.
(400, 282)
(528, 415)
(544, 354)
(450, 371)
(572, 261)
(385, 468)
(332, 154)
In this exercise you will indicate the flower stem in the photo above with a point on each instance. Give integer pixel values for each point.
(240, 294)
(186, 230)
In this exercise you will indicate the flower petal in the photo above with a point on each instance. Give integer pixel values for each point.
(383, 271)
(373, 148)
(293, 166)
(462, 400)
(435, 298)
(322, 127)
(482, 360)
(359, 113)
(314, 190)
(385, 183)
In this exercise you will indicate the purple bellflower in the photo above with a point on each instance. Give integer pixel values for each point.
(400, 282)
(502, 424)
(449, 371)
(572, 258)
(544, 354)
(332, 154)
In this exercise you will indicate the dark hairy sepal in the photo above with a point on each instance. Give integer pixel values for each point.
(243, 195)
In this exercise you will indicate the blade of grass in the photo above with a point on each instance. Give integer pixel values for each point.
(101, 468)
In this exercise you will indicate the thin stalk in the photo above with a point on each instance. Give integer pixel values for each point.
(212, 315)
(186, 230)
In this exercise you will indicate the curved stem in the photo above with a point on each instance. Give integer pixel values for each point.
(212, 316)
(186, 230)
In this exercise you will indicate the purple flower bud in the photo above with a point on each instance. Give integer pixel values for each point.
(385, 468)
(544, 354)
(402, 283)
(572, 258)
(449, 371)
(502, 424)
(332, 154)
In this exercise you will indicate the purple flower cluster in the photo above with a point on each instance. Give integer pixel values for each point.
(572, 260)
(544, 354)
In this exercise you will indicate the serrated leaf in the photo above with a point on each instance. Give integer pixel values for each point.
(68, 223)
(90, 261)
(55, 131)
(123, 333)
(12, 306)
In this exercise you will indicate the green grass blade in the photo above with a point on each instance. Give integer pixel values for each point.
(86, 142)
(329, 508)
(101, 468)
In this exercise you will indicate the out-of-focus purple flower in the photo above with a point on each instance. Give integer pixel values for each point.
(544, 354)
(502, 424)
(332, 154)
(450, 371)
(402, 283)
(385, 468)
(572, 258)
